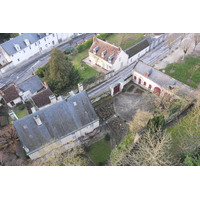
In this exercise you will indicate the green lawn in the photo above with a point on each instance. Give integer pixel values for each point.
(125, 40)
(100, 151)
(77, 62)
(21, 113)
(188, 123)
(187, 71)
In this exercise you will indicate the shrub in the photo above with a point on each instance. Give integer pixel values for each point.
(21, 107)
(84, 46)
(107, 137)
(41, 71)
(155, 123)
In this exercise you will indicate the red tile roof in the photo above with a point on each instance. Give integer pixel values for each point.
(42, 98)
(104, 46)
(10, 93)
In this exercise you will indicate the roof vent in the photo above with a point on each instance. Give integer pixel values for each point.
(37, 120)
(27, 42)
(75, 104)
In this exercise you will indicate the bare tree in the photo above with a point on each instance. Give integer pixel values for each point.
(152, 149)
(170, 40)
(196, 39)
(185, 46)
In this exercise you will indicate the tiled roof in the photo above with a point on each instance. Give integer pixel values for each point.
(137, 48)
(10, 93)
(8, 46)
(105, 46)
(158, 77)
(33, 84)
(42, 98)
(58, 120)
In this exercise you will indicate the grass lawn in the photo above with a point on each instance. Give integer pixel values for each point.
(77, 62)
(125, 40)
(21, 113)
(187, 71)
(100, 151)
(188, 123)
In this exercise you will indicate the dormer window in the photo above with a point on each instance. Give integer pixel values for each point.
(110, 58)
(40, 35)
(95, 50)
(103, 53)
(17, 47)
(27, 42)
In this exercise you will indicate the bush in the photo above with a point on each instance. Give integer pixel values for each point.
(107, 137)
(84, 46)
(155, 123)
(90, 80)
(174, 108)
(41, 71)
(21, 107)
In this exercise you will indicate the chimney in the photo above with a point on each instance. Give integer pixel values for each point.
(80, 87)
(46, 85)
(37, 120)
(1, 92)
(52, 98)
(71, 93)
(34, 109)
(147, 74)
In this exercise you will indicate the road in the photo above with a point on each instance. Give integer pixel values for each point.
(21, 72)
(149, 58)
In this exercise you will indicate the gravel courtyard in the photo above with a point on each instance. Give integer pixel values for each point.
(128, 102)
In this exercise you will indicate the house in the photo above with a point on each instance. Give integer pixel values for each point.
(44, 98)
(30, 87)
(107, 56)
(154, 80)
(137, 51)
(11, 95)
(60, 126)
(27, 45)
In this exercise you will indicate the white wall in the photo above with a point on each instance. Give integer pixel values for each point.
(121, 61)
(65, 143)
(16, 101)
(137, 56)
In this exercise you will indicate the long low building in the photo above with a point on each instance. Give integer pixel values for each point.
(62, 126)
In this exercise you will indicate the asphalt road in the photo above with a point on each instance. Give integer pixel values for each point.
(21, 72)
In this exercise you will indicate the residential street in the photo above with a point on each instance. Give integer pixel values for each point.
(23, 71)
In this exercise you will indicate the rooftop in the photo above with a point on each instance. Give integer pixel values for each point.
(103, 46)
(42, 98)
(9, 47)
(137, 48)
(58, 121)
(33, 84)
(10, 93)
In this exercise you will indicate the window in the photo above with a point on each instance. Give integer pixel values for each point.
(53, 42)
(53, 35)
(150, 86)
(18, 59)
(46, 45)
(12, 103)
(38, 42)
(44, 39)
(140, 81)
(135, 77)
(119, 59)
(30, 47)
(24, 51)
(145, 83)
(35, 44)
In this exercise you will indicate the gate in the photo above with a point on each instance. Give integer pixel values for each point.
(116, 89)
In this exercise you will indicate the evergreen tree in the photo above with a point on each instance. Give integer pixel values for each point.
(61, 73)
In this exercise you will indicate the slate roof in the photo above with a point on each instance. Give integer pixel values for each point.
(137, 48)
(8, 46)
(105, 46)
(34, 84)
(10, 93)
(59, 120)
(158, 77)
(42, 98)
